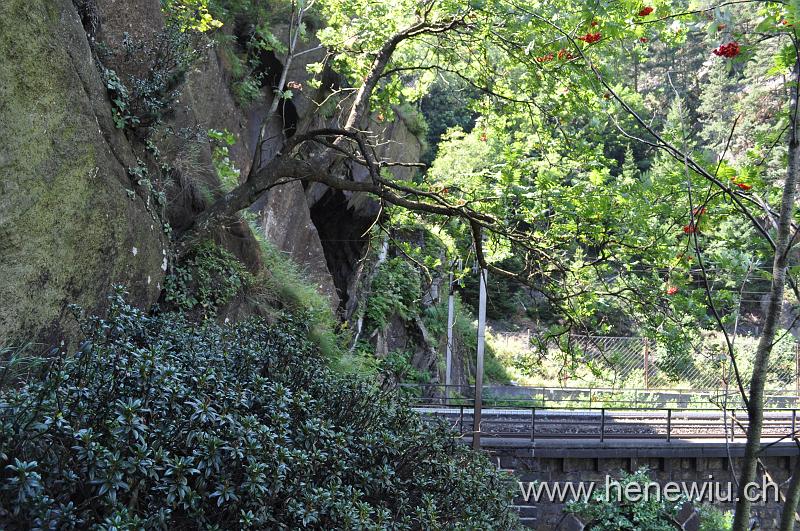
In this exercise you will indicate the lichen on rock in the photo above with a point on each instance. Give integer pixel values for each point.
(67, 223)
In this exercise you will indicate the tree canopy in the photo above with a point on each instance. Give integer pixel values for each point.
(634, 163)
(620, 151)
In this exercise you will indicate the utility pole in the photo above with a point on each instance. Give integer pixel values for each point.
(797, 368)
(476, 426)
(451, 314)
(448, 375)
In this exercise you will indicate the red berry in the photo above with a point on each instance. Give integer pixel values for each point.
(744, 186)
(729, 50)
(643, 39)
(672, 290)
(590, 38)
(645, 11)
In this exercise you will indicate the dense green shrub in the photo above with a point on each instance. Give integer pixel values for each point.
(448, 104)
(247, 90)
(157, 422)
(397, 365)
(714, 519)
(395, 290)
(189, 15)
(251, 40)
(652, 513)
(205, 279)
(155, 70)
(227, 172)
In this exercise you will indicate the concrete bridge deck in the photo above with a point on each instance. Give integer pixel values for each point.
(561, 445)
(631, 447)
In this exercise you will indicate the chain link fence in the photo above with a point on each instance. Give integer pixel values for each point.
(636, 362)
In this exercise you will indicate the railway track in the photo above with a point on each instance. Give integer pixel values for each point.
(601, 423)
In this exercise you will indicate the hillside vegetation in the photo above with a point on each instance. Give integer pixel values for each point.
(283, 190)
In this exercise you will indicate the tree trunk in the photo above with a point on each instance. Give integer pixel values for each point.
(277, 170)
(284, 166)
(792, 497)
(755, 405)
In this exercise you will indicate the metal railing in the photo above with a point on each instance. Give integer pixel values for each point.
(610, 423)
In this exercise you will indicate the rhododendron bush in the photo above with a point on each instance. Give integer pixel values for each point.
(623, 165)
(157, 422)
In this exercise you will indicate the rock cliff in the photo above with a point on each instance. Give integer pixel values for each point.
(76, 216)
(70, 222)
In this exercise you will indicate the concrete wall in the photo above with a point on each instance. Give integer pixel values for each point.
(687, 462)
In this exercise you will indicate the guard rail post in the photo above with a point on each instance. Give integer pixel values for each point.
(602, 424)
(669, 425)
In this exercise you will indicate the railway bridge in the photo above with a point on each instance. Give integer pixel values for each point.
(689, 442)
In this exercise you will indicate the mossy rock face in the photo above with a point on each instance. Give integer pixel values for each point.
(70, 224)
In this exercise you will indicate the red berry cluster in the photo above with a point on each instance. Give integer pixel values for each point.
(741, 185)
(563, 54)
(729, 50)
(693, 226)
(645, 11)
(672, 290)
(590, 38)
(643, 39)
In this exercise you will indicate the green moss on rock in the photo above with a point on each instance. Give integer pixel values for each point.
(68, 227)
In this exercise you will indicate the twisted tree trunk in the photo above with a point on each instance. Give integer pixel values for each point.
(783, 242)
